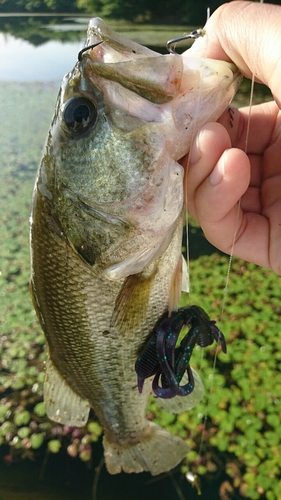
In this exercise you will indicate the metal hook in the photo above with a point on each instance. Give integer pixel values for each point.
(194, 34)
(85, 49)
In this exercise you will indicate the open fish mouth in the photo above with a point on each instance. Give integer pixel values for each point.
(197, 89)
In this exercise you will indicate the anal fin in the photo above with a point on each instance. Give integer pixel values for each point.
(180, 404)
(63, 405)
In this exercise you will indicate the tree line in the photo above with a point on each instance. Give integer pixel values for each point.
(153, 11)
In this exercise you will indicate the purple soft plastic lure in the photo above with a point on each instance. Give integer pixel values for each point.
(160, 356)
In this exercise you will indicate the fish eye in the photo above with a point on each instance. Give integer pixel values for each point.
(80, 114)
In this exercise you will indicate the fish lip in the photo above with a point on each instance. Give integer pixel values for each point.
(123, 47)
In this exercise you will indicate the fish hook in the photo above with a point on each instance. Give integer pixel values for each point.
(85, 49)
(193, 35)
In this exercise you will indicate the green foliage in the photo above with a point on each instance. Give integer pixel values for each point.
(38, 6)
(54, 445)
(146, 10)
(157, 11)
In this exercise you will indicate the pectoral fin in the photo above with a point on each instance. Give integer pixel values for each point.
(131, 304)
(63, 405)
(180, 283)
(185, 276)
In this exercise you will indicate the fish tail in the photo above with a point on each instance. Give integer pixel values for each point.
(157, 452)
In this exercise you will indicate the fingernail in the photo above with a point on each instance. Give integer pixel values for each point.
(195, 151)
(217, 174)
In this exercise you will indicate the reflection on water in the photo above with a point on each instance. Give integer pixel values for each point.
(23, 62)
(39, 49)
(45, 49)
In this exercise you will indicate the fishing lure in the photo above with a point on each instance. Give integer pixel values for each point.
(168, 362)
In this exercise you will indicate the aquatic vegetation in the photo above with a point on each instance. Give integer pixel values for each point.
(242, 415)
(243, 433)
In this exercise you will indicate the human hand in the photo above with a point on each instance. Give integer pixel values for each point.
(219, 171)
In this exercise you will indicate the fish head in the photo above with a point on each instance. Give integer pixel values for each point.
(124, 117)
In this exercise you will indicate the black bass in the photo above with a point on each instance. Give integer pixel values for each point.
(106, 233)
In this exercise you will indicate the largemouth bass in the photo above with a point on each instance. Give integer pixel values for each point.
(106, 233)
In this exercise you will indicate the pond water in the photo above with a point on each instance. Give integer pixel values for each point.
(23, 62)
(46, 56)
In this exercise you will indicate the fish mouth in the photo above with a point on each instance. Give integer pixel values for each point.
(118, 59)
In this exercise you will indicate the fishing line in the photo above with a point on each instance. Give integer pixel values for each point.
(170, 45)
(193, 479)
(176, 486)
(239, 201)
(236, 227)
(193, 134)
(96, 479)
(186, 215)
(227, 280)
